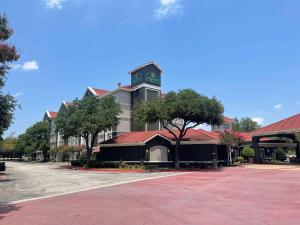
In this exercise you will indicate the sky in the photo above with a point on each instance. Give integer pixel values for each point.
(246, 53)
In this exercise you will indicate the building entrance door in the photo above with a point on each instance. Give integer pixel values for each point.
(159, 153)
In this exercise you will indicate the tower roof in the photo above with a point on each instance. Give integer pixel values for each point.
(146, 64)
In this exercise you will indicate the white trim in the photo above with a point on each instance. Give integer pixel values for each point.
(153, 87)
(125, 144)
(93, 91)
(197, 142)
(155, 135)
(48, 114)
(144, 65)
(158, 162)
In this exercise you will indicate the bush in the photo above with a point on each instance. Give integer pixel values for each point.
(248, 152)
(82, 156)
(77, 162)
(240, 159)
(113, 165)
(280, 155)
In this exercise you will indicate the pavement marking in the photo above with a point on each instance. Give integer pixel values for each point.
(95, 187)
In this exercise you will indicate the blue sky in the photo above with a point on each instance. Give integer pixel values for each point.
(244, 52)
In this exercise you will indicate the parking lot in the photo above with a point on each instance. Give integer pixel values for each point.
(25, 180)
(239, 195)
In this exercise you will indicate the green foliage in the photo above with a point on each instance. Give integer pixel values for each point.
(280, 154)
(248, 152)
(36, 138)
(229, 138)
(77, 162)
(7, 148)
(245, 125)
(87, 118)
(112, 165)
(290, 151)
(8, 55)
(240, 159)
(187, 105)
(8, 105)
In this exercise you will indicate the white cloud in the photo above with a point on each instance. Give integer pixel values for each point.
(167, 8)
(30, 65)
(18, 94)
(258, 120)
(54, 4)
(278, 106)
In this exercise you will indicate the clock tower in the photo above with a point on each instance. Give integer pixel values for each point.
(146, 84)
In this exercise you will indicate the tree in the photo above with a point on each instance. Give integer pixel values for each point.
(36, 138)
(280, 154)
(230, 139)
(87, 118)
(248, 152)
(245, 125)
(8, 147)
(21, 144)
(8, 55)
(190, 107)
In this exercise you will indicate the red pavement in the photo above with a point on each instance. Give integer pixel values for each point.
(232, 196)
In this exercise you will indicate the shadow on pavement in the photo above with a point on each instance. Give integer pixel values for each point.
(5, 208)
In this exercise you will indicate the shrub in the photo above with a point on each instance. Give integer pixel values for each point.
(77, 163)
(240, 159)
(280, 154)
(82, 156)
(248, 152)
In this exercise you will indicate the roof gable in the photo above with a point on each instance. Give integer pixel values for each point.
(144, 65)
(145, 136)
(286, 125)
(98, 91)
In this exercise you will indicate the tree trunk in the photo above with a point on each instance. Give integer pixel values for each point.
(176, 155)
(88, 157)
(44, 155)
(228, 156)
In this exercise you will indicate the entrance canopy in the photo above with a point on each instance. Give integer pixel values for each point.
(289, 125)
(288, 128)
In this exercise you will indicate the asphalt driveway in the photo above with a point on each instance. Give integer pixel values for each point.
(25, 180)
(242, 196)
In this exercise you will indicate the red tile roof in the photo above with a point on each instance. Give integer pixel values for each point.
(245, 136)
(99, 92)
(52, 115)
(144, 136)
(127, 87)
(228, 120)
(287, 125)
